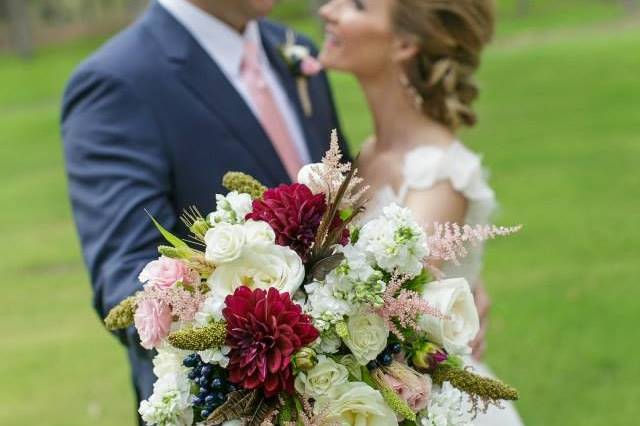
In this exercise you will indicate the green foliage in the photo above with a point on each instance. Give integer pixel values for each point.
(418, 283)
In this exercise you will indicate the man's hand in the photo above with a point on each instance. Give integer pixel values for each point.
(483, 304)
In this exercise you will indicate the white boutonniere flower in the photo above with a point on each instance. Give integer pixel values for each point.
(302, 66)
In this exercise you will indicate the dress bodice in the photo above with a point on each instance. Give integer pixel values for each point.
(425, 166)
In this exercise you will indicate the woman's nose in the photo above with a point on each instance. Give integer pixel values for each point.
(327, 12)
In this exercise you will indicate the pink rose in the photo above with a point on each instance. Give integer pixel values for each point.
(418, 398)
(414, 388)
(153, 322)
(310, 66)
(165, 272)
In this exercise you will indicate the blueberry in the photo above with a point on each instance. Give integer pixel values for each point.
(372, 365)
(193, 374)
(197, 401)
(190, 361)
(395, 348)
(205, 413)
(203, 393)
(218, 397)
(385, 358)
(217, 383)
(203, 381)
(206, 370)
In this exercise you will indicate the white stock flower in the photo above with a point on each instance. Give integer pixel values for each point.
(168, 361)
(224, 243)
(323, 305)
(367, 336)
(216, 356)
(322, 378)
(170, 403)
(328, 342)
(231, 208)
(454, 300)
(259, 233)
(446, 408)
(211, 309)
(395, 241)
(261, 267)
(356, 403)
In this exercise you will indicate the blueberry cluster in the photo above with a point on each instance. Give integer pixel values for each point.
(385, 358)
(212, 383)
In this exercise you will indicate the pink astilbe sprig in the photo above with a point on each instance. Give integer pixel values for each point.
(184, 303)
(333, 171)
(448, 241)
(403, 307)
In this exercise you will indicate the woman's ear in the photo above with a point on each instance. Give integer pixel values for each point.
(405, 47)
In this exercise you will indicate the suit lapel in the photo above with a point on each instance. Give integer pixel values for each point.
(204, 78)
(272, 42)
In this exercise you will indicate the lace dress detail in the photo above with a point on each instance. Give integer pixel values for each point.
(427, 165)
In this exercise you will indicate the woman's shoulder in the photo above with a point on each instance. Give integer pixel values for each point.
(427, 165)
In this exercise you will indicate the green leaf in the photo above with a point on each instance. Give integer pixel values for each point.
(172, 239)
(418, 283)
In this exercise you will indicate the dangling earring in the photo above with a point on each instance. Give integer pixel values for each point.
(411, 91)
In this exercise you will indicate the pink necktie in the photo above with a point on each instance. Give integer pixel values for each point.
(269, 113)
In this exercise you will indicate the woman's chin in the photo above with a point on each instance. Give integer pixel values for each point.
(330, 62)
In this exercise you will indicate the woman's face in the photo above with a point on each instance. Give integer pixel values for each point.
(359, 36)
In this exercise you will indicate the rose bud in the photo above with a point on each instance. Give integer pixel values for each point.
(428, 356)
(305, 359)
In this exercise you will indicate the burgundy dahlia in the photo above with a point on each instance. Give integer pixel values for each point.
(294, 213)
(264, 331)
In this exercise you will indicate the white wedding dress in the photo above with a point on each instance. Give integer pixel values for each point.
(425, 166)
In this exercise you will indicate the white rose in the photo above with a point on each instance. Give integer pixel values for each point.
(259, 233)
(453, 299)
(224, 243)
(262, 267)
(296, 51)
(322, 378)
(367, 336)
(356, 403)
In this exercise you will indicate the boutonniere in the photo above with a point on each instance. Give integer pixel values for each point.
(302, 66)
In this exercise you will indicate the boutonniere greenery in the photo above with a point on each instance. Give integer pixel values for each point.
(302, 66)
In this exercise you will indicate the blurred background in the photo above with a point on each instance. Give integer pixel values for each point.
(559, 129)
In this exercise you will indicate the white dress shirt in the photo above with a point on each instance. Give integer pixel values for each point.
(225, 46)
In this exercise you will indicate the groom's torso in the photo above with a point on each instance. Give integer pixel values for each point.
(205, 127)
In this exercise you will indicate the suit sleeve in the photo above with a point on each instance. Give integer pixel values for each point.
(117, 167)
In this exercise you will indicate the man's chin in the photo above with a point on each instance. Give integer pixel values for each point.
(262, 7)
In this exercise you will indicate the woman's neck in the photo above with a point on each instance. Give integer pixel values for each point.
(398, 123)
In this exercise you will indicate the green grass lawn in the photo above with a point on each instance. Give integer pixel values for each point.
(560, 130)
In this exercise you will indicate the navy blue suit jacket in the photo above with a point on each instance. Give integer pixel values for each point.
(150, 122)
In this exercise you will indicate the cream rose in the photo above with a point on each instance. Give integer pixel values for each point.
(367, 336)
(259, 233)
(261, 267)
(322, 378)
(224, 243)
(356, 403)
(453, 299)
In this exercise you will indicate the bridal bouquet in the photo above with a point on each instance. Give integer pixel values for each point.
(283, 311)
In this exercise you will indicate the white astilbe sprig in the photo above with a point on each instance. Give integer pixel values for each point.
(448, 241)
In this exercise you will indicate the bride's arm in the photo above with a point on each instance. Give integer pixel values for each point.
(442, 203)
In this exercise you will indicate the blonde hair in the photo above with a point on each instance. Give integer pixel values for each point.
(451, 35)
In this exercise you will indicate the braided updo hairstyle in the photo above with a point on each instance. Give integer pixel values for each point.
(451, 35)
